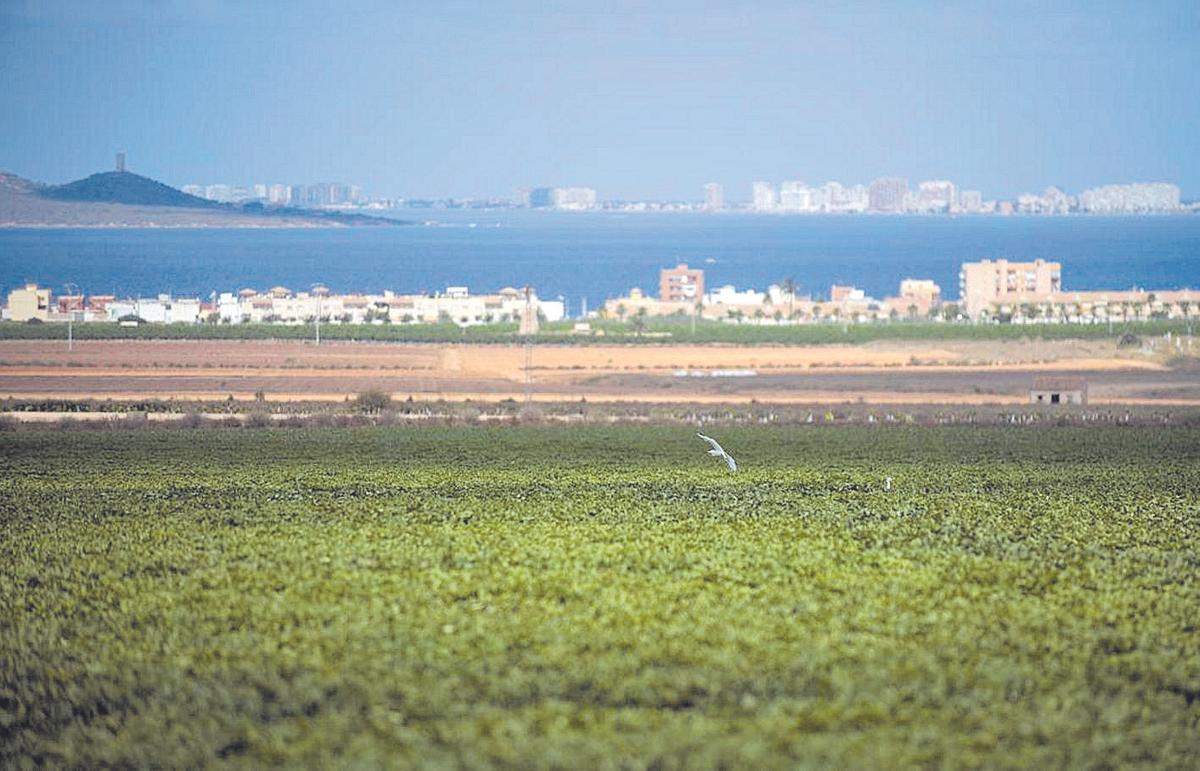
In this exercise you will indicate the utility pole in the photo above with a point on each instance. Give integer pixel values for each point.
(70, 289)
(528, 326)
(318, 289)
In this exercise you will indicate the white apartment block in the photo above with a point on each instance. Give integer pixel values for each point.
(764, 196)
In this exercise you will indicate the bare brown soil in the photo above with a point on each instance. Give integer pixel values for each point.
(967, 373)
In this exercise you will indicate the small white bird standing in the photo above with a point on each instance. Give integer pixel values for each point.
(718, 451)
(887, 484)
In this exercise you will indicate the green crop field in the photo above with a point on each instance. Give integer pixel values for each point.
(656, 331)
(601, 597)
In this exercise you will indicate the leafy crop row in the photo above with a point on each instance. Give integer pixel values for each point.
(601, 596)
(657, 330)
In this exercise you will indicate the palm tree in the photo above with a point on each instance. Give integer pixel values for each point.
(639, 322)
(621, 311)
(789, 289)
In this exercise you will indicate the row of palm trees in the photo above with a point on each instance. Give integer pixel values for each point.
(1054, 312)
(1077, 311)
(948, 311)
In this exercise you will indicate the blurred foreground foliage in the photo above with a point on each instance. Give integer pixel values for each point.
(601, 597)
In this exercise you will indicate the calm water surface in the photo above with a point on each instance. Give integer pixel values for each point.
(602, 255)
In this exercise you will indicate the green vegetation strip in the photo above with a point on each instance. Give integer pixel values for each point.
(647, 331)
(601, 597)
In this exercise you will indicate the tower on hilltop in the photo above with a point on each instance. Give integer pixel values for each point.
(121, 161)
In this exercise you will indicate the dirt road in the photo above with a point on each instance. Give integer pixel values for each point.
(884, 373)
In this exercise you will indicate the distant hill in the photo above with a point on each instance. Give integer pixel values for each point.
(11, 183)
(124, 187)
(123, 199)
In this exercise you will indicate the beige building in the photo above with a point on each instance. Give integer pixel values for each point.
(839, 293)
(1032, 291)
(681, 284)
(985, 284)
(637, 301)
(29, 303)
(922, 294)
(1107, 305)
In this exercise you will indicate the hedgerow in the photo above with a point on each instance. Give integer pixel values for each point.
(656, 331)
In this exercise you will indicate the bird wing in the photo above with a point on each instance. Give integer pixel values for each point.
(732, 463)
(711, 441)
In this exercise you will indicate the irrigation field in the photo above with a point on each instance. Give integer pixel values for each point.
(601, 597)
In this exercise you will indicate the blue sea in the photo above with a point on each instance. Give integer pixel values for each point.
(600, 255)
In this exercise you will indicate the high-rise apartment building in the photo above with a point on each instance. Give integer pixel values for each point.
(985, 284)
(714, 196)
(1130, 199)
(935, 195)
(560, 198)
(279, 195)
(681, 284)
(541, 197)
(886, 194)
(222, 193)
(764, 196)
(795, 196)
(970, 201)
(573, 198)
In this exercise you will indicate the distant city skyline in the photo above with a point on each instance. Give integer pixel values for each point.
(886, 195)
(472, 99)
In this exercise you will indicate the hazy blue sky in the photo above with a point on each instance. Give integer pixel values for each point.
(637, 100)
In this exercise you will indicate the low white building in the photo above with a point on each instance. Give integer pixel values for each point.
(729, 295)
(228, 309)
(455, 305)
(160, 310)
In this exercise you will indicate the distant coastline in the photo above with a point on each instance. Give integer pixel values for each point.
(216, 223)
(122, 200)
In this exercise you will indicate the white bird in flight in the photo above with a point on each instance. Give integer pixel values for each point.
(718, 451)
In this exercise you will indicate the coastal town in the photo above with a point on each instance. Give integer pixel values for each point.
(990, 291)
(884, 195)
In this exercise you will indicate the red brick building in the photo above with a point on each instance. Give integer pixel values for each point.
(681, 284)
